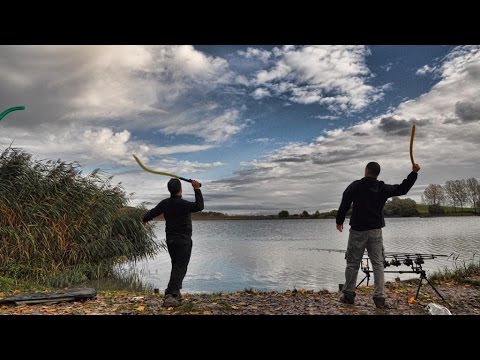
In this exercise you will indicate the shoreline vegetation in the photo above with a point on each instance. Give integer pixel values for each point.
(460, 287)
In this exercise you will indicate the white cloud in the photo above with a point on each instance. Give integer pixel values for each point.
(263, 140)
(216, 128)
(327, 117)
(242, 80)
(459, 82)
(281, 70)
(425, 69)
(177, 149)
(462, 61)
(256, 53)
(260, 93)
(335, 76)
(92, 145)
(185, 166)
(387, 67)
(130, 84)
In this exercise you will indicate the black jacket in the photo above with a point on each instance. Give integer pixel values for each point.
(177, 213)
(369, 196)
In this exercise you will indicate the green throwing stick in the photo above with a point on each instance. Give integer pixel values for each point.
(3, 114)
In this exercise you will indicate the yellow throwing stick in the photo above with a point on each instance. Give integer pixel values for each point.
(412, 135)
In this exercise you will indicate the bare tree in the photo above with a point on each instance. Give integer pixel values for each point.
(450, 193)
(461, 191)
(478, 198)
(433, 195)
(473, 192)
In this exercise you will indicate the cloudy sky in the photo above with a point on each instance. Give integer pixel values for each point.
(264, 128)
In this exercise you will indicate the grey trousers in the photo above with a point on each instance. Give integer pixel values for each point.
(357, 242)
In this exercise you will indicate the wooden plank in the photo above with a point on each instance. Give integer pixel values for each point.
(43, 301)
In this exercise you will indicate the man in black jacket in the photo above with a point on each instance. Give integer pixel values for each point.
(368, 196)
(178, 229)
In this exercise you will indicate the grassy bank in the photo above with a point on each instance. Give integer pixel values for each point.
(460, 287)
(461, 274)
(59, 227)
(449, 211)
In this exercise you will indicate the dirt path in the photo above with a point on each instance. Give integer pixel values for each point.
(462, 299)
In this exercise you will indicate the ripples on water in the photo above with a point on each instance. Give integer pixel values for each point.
(284, 254)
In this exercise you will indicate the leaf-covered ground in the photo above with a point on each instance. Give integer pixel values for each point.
(462, 299)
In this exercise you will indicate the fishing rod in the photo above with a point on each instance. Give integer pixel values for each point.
(329, 250)
(400, 254)
(414, 261)
(161, 172)
(387, 254)
(8, 111)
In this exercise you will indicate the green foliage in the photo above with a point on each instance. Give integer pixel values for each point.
(460, 273)
(445, 210)
(59, 226)
(422, 209)
(333, 213)
(435, 209)
(211, 214)
(400, 207)
(283, 214)
(305, 213)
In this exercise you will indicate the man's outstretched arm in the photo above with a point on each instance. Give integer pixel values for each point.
(405, 186)
(198, 204)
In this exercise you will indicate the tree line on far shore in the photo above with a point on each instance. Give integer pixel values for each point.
(464, 193)
(456, 196)
(305, 215)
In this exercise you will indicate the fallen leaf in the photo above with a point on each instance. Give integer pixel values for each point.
(141, 308)
(411, 300)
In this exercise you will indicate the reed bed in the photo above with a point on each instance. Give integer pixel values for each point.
(60, 227)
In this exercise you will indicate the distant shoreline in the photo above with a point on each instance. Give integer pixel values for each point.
(196, 217)
(395, 208)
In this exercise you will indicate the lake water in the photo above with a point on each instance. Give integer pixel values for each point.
(285, 254)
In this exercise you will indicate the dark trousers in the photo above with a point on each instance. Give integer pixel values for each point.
(179, 251)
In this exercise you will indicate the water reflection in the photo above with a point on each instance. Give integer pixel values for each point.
(279, 255)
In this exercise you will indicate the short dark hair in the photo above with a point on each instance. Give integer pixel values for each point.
(174, 186)
(373, 168)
